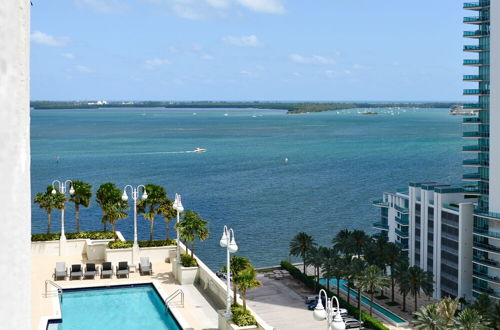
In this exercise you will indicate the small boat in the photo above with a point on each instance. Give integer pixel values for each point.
(199, 150)
(225, 115)
(286, 161)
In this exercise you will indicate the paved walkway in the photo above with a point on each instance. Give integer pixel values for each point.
(197, 311)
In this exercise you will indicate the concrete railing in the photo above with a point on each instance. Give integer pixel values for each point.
(160, 253)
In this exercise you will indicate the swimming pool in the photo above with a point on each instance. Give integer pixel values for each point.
(396, 320)
(123, 307)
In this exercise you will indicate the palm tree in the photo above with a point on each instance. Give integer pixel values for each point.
(81, 197)
(149, 206)
(238, 264)
(247, 279)
(428, 317)
(49, 201)
(300, 245)
(371, 280)
(357, 267)
(419, 281)
(392, 254)
(328, 266)
(494, 316)
(109, 198)
(447, 308)
(342, 242)
(315, 258)
(482, 304)
(401, 276)
(192, 226)
(338, 271)
(359, 241)
(470, 319)
(354, 267)
(166, 209)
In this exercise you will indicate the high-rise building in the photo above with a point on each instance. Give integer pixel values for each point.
(454, 231)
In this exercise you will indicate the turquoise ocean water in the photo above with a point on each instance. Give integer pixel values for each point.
(338, 163)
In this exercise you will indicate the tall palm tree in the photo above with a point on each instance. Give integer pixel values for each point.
(192, 227)
(49, 201)
(247, 279)
(447, 308)
(342, 242)
(370, 280)
(238, 264)
(338, 271)
(81, 197)
(328, 265)
(482, 304)
(419, 281)
(300, 245)
(359, 241)
(428, 318)
(392, 254)
(401, 276)
(166, 209)
(470, 319)
(314, 257)
(109, 198)
(149, 206)
(355, 267)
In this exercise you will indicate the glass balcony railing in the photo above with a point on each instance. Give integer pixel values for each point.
(472, 77)
(486, 247)
(402, 246)
(488, 214)
(380, 202)
(476, 135)
(472, 120)
(472, 62)
(380, 225)
(401, 209)
(487, 233)
(402, 220)
(476, 34)
(401, 233)
(476, 5)
(486, 277)
(476, 19)
(475, 48)
(476, 162)
(487, 290)
(473, 106)
(476, 92)
(471, 176)
(486, 262)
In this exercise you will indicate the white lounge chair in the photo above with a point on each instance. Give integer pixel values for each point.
(145, 266)
(61, 271)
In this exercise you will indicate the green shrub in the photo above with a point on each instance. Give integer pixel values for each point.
(242, 317)
(117, 244)
(368, 321)
(188, 261)
(80, 235)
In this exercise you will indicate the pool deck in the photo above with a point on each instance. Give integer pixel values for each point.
(198, 312)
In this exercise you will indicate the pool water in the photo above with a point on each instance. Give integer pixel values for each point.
(366, 301)
(124, 308)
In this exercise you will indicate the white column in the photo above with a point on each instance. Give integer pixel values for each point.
(466, 221)
(15, 165)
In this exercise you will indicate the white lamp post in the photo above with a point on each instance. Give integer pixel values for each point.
(62, 188)
(229, 243)
(134, 192)
(326, 313)
(179, 208)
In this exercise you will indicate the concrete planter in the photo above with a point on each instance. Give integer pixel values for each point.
(225, 324)
(186, 275)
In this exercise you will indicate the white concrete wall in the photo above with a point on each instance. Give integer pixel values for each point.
(154, 254)
(412, 192)
(494, 198)
(466, 221)
(15, 196)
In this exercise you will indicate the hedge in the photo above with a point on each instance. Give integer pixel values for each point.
(80, 235)
(188, 261)
(117, 244)
(242, 317)
(368, 321)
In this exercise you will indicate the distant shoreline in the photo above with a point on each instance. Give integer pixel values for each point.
(290, 107)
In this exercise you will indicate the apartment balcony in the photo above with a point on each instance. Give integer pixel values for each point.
(471, 191)
(402, 220)
(471, 177)
(402, 246)
(476, 5)
(473, 106)
(477, 92)
(475, 48)
(476, 34)
(486, 262)
(470, 62)
(486, 247)
(475, 163)
(476, 135)
(475, 149)
(476, 19)
(401, 209)
(380, 226)
(380, 203)
(401, 233)
(487, 290)
(489, 215)
(475, 78)
(486, 233)
(472, 120)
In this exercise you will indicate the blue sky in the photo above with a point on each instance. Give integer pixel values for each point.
(247, 50)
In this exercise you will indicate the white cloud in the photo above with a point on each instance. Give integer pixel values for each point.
(104, 6)
(83, 68)
(263, 6)
(314, 59)
(69, 56)
(243, 41)
(222, 4)
(188, 9)
(41, 38)
(155, 62)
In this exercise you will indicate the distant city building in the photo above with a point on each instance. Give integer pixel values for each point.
(454, 231)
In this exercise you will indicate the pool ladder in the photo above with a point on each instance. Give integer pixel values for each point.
(59, 290)
(172, 297)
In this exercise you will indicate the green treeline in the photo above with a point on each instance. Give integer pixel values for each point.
(291, 107)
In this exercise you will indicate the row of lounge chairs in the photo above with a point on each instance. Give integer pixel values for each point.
(105, 271)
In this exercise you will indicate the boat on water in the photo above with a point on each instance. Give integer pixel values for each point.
(369, 113)
(199, 150)
(458, 110)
